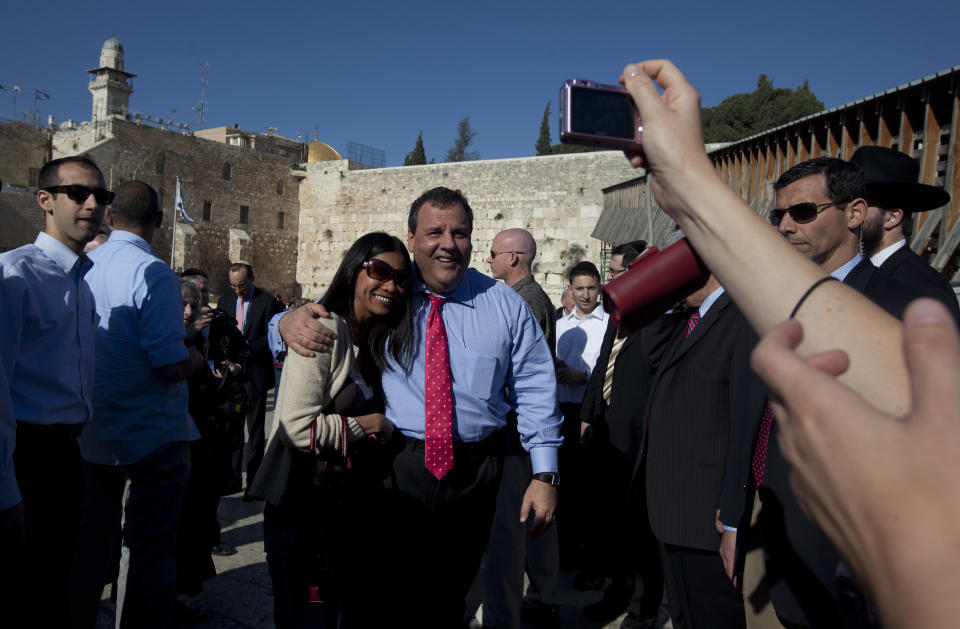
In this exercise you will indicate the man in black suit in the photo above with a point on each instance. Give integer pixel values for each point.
(687, 432)
(820, 207)
(893, 195)
(253, 309)
(613, 413)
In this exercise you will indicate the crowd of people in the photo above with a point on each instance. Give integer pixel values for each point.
(764, 454)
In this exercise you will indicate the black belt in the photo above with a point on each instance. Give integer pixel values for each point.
(492, 445)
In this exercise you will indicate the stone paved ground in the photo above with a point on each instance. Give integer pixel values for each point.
(239, 597)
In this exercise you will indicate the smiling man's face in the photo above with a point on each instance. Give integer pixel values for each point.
(441, 245)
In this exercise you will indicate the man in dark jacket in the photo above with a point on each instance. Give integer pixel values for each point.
(820, 206)
(893, 197)
(252, 308)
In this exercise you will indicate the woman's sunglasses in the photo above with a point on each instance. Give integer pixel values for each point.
(383, 272)
(79, 194)
(801, 212)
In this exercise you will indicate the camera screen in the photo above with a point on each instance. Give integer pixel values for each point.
(599, 112)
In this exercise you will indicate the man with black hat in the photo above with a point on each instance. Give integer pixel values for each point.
(893, 195)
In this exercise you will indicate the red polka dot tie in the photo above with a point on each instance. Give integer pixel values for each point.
(760, 449)
(438, 395)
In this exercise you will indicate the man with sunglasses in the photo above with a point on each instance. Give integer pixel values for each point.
(509, 551)
(820, 207)
(893, 196)
(48, 321)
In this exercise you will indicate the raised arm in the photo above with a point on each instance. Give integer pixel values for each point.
(762, 273)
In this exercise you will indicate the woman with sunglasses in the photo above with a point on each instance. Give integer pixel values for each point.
(328, 425)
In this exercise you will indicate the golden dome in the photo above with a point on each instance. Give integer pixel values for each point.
(321, 152)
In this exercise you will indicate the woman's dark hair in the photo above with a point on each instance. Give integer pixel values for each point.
(379, 336)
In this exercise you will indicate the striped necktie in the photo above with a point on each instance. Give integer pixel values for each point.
(691, 324)
(608, 376)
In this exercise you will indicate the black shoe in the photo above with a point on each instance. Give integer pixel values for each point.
(632, 622)
(605, 610)
(540, 614)
(615, 600)
(223, 550)
(587, 580)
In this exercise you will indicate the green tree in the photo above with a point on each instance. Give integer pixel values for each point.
(543, 142)
(560, 149)
(465, 134)
(417, 156)
(742, 115)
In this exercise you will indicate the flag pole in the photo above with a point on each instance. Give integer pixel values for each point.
(173, 239)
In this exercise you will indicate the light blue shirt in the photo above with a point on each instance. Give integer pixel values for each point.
(495, 346)
(711, 298)
(274, 340)
(141, 328)
(47, 327)
(842, 272)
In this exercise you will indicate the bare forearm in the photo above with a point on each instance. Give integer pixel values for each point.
(766, 278)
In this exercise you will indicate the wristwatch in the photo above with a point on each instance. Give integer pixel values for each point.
(550, 478)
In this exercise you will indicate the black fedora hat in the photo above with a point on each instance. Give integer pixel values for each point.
(891, 178)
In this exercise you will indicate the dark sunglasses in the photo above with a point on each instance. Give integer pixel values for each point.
(801, 212)
(383, 272)
(79, 194)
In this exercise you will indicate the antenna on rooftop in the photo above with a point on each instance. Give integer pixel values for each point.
(201, 108)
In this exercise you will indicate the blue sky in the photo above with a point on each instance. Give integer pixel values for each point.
(379, 72)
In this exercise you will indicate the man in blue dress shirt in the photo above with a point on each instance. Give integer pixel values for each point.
(136, 457)
(435, 530)
(47, 327)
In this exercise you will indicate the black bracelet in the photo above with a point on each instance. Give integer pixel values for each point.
(807, 294)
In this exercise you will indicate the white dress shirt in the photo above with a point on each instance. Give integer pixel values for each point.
(578, 346)
(881, 256)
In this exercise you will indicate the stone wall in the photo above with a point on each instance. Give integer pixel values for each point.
(22, 148)
(20, 216)
(557, 198)
(128, 151)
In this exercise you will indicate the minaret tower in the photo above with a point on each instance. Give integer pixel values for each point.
(110, 85)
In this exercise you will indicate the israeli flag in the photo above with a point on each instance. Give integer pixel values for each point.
(180, 209)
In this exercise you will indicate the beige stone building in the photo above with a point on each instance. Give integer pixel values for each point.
(264, 142)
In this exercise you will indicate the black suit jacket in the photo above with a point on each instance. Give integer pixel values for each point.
(689, 427)
(909, 269)
(801, 562)
(621, 423)
(262, 308)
